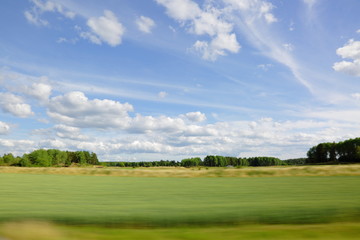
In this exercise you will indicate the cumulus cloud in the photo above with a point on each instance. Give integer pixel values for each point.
(106, 29)
(207, 21)
(212, 50)
(39, 7)
(40, 91)
(181, 10)
(145, 24)
(75, 109)
(195, 116)
(68, 132)
(17, 147)
(149, 124)
(351, 50)
(4, 128)
(14, 105)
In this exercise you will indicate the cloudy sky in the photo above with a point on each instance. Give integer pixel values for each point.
(168, 79)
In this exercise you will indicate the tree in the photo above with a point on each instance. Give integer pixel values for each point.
(210, 161)
(40, 158)
(191, 162)
(93, 159)
(9, 159)
(25, 161)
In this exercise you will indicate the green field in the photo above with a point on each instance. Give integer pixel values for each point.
(174, 206)
(179, 201)
(47, 231)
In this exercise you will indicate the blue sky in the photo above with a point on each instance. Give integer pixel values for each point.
(169, 79)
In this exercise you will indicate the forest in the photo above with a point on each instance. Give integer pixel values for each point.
(50, 158)
(347, 151)
(210, 161)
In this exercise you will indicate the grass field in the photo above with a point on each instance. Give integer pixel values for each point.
(47, 231)
(278, 171)
(95, 207)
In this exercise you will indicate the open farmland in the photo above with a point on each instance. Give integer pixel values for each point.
(117, 204)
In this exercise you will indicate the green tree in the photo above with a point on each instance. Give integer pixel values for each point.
(9, 159)
(40, 158)
(25, 161)
(191, 162)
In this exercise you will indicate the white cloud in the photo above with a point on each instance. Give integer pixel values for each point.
(254, 9)
(106, 28)
(149, 124)
(14, 105)
(39, 7)
(181, 10)
(195, 116)
(351, 50)
(75, 109)
(17, 147)
(34, 18)
(90, 36)
(252, 17)
(68, 132)
(207, 21)
(146, 146)
(4, 128)
(211, 51)
(40, 91)
(145, 24)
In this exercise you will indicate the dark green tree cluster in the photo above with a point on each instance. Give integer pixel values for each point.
(295, 161)
(161, 163)
(50, 158)
(191, 162)
(347, 151)
(209, 161)
(221, 161)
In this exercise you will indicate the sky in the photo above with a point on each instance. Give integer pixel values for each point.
(147, 80)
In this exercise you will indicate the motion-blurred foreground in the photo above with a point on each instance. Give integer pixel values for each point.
(107, 207)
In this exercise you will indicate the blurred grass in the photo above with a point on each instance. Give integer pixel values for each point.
(46, 231)
(278, 171)
(170, 201)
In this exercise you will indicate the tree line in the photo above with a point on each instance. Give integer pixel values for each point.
(50, 158)
(209, 161)
(347, 151)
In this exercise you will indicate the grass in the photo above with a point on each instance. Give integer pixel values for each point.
(312, 202)
(280, 171)
(148, 201)
(46, 231)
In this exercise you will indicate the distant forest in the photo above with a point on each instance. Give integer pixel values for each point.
(347, 151)
(50, 158)
(324, 153)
